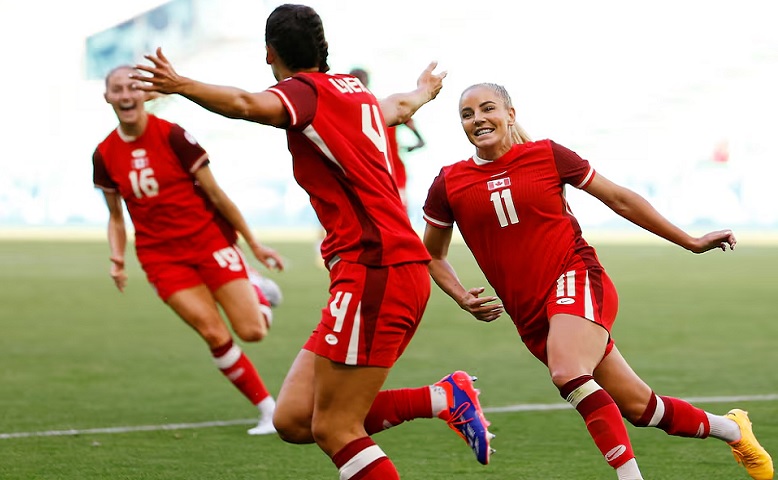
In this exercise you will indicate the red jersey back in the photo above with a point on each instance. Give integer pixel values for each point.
(513, 215)
(338, 142)
(154, 174)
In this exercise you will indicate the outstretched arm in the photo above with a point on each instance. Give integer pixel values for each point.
(399, 108)
(637, 210)
(437, 241)
(117, 238)
(232, 102)
(227, 207)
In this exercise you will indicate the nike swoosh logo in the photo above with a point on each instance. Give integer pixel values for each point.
(498, 174)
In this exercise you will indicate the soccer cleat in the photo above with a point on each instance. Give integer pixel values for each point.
(747, 450)
(264, 427)
(464, 414)
(267, 287)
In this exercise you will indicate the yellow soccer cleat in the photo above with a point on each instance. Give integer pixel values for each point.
(747, 450)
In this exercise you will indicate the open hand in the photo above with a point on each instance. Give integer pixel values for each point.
(482, 308)
(163, 78)
(269, 257)
(431, 82)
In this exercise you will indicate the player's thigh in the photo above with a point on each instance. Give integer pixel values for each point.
(240, 303)
(343, 397)
(197, 307)
(575, 346)
(626, 388)
(294, 403)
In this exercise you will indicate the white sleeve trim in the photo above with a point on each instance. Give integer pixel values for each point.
(436, 222)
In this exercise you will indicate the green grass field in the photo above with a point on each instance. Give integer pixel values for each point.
(77, 355)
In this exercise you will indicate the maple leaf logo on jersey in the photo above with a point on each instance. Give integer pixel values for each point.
(499, 183)
(139, 159)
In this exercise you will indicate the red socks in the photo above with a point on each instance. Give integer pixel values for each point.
(362, 459)
(393, 407)
(236, 366)
(602, 418)
(676, 417)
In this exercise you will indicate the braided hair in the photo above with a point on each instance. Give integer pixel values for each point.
(297, 35)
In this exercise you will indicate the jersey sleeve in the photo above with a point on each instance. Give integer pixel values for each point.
(299, 98)
(437, 211)
(100, 175)
(572, 169)
(191, 155)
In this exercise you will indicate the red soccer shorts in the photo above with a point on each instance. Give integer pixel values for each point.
(587, 293)
(372, 313)
(213, 262)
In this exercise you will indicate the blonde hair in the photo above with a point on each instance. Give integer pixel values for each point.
(518, 134)
(117, 69)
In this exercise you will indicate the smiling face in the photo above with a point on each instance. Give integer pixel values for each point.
(126, 100)
(487, 119)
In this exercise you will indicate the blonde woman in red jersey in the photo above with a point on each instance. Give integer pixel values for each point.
(185, 234)
(379, 283)
(508, 202)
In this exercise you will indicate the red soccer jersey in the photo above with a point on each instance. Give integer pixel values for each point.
(513, 215)
(398, 167)
(338, 142)
(154, 174)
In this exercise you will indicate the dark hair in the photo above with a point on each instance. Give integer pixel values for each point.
(297, 35)
(361, 74)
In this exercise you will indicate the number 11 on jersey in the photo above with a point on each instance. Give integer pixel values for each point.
(503, 207)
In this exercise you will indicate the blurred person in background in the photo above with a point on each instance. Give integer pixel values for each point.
(509, 204)
(379, 282)
(399, 172)
(186, 232)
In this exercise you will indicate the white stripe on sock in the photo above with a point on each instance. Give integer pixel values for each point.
(228, 359)
(659, 412)
(360, 461)
(577, 395)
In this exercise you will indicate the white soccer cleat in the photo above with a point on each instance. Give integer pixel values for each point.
(264, 427)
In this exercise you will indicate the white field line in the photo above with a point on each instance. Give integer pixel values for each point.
(526, 407)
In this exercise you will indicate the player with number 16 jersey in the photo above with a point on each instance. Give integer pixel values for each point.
(154, 174)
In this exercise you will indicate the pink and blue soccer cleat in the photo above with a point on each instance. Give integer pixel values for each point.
(464, 414)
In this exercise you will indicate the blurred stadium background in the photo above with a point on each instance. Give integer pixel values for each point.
(676, 100)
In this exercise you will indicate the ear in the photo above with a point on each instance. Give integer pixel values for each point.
(105, 96)
(511, 116)
(270, 55)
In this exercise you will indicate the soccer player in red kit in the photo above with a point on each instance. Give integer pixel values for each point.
(508, 202)
(185, 234)
(379, 282)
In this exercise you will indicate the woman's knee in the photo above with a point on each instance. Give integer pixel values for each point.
(249, 331)
(561, 375)
(292, 429)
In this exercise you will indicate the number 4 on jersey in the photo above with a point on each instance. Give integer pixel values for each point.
(504, 208)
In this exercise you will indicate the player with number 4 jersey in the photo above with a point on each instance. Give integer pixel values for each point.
(186, 230)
